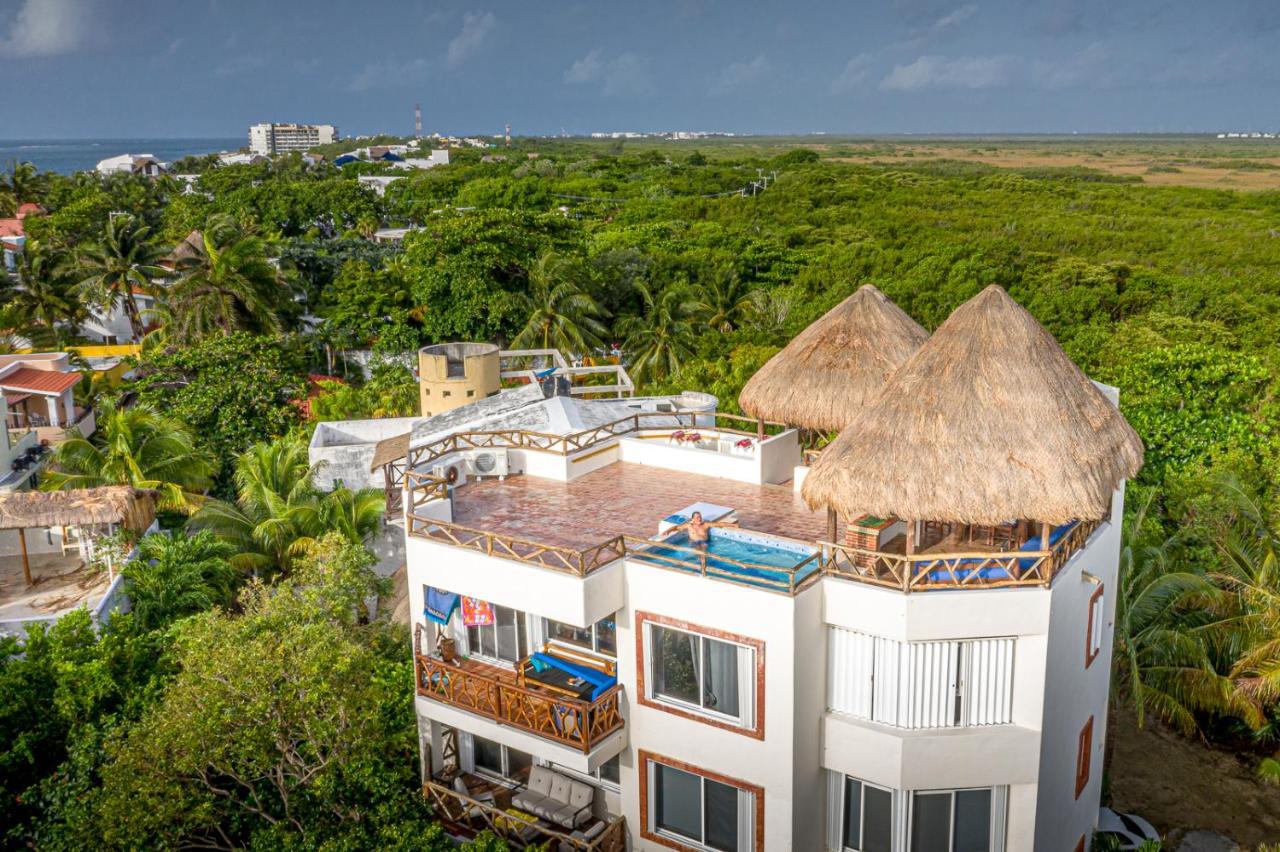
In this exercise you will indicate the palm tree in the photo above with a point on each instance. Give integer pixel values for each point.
(123, 260)
(729, 301)
(279, 513)
(46, 289)
(24, 183)
(138, 447)
(1162, 653)
(226, 287)
(176, 575)
(658, 342)
(562, 315)
(1250, 574)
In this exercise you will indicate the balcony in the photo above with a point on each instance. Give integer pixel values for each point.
(510, 699)
(949, 561)
(466, 815)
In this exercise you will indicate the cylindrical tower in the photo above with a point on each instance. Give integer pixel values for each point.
(454, 374)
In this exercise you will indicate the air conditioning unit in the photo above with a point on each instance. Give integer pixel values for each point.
(487, 462)
(454, 473)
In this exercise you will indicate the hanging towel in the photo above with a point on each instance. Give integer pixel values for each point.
(440, 605)
(476, 613)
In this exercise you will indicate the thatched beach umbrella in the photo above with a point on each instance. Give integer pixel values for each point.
(989, 421)
(825, 376)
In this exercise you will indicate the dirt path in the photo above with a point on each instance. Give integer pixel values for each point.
(1180, 784)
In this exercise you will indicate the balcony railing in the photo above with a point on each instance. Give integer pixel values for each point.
(520, 439)
(573, 722)
(519, 830)
(981, 569)
(566, 559)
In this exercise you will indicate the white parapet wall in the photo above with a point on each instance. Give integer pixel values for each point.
(344, 449)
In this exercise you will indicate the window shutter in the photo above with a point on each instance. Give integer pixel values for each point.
(746, 687)
(987, 686)
(835, 811)
(746, 821)
(849, 677)
(885, 681)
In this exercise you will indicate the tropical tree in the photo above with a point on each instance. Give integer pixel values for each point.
(139, 447)
(278, 512)
(124, 259)
(562, 314)
(661, 339)
(178, 575)
(228, 286)
(729, 300)
(46, 294)
(1162, 653)
(24, 183)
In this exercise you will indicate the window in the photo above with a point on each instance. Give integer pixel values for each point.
(942, 684)
(470, 394)
(1084, 753)
(698, 809)
(446, 394)
(504, 640)
(868, 817)
(426, 391)
(600, 638)
(497, 759)
(1093, 637)
(608, 773)
(711, 676)
(951, 821)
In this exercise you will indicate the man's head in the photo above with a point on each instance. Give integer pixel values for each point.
(696, 517)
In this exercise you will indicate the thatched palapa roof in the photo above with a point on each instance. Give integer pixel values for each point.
(110, 504)
(825, 376)
(388, 450)
(987, 422)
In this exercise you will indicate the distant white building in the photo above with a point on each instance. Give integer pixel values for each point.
(138, 164)
(378, 183)
(236, 158)
(270, 139)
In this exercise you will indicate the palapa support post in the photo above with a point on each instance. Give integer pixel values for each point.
(26, 563)
(1044, 536)
(831, 525)
(760, 428)
(908, 550)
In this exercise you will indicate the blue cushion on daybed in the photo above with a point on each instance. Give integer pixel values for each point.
(601, 681)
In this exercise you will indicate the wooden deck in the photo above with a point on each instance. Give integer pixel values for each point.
(62, 583)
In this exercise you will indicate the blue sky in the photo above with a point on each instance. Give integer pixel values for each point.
(93, 68)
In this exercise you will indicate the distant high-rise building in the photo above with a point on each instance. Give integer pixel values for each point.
(270, 139)
(417, 121)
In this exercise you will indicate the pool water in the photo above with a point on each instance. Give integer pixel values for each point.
(741, 547)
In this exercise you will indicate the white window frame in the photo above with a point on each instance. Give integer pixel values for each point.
(862, 809)
(592, 777)
(463, 637)
(994, 841)
(746, 810)
(1096, 625)
(746, 659)
(468, 757)
(551, 640)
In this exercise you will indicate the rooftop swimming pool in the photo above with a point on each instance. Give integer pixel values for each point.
(752, 557)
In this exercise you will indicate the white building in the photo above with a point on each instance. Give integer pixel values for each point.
(810, 679)
(137, 164)
(271, 139)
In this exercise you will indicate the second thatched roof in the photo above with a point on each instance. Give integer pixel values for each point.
(825, 376)
(111, 504)
(388, 450)
(987, 422)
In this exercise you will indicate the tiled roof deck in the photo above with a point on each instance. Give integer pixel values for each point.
(624, 498)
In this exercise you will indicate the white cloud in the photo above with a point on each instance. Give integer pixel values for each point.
(857, 71)
(476, 27)
(388, 72)
(46, 28)
(624, 74)
(955, 17)
(739, 74)
(939, 72)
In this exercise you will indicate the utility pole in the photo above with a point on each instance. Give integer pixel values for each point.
(417, 121)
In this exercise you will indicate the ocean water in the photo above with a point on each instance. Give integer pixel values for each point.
(73, 155)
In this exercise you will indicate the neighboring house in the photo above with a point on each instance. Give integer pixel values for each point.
(137, 164)
(39, 395)
(21, 453)
(239, 159)
(393, 235)
(13, 235)
(378, 183)
(53, 559)
(811, 679)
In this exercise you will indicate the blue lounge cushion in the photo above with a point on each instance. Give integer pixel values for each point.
(601, 681)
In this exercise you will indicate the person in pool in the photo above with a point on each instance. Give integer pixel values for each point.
(700, 530)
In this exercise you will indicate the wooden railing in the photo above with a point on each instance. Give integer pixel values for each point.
(570, 721)
(788, 580)
(518, 830)
(519, 439)
(558, 558)
(930, 571)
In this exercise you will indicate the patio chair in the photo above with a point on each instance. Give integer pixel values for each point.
(584, 837)
(472, 811)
